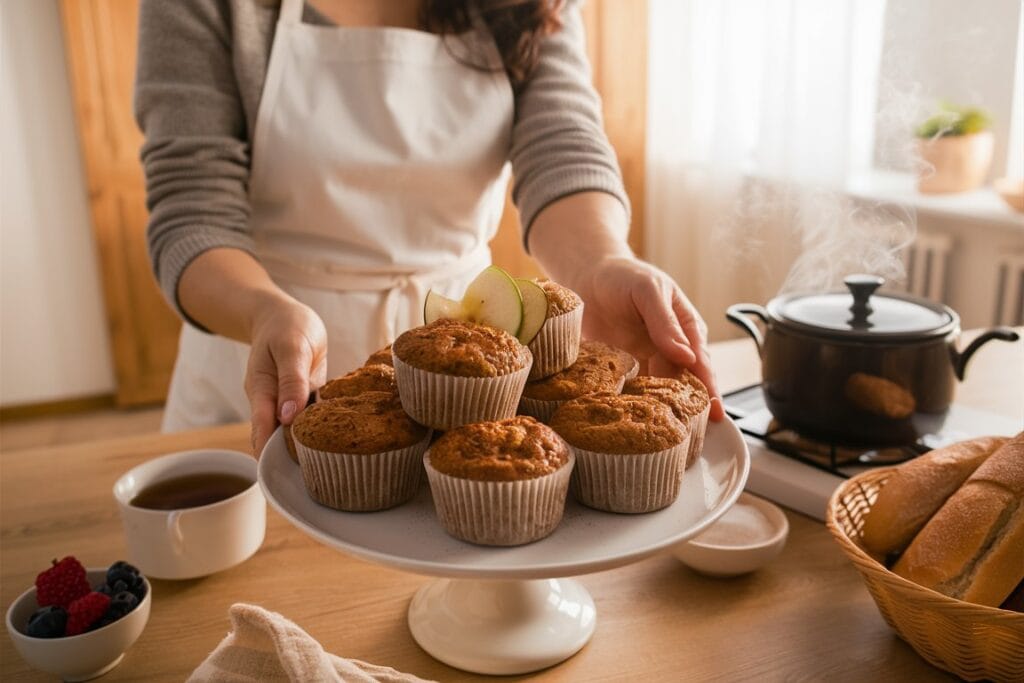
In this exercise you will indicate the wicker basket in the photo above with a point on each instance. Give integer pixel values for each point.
(972, 641)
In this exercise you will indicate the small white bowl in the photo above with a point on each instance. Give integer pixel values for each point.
(1011, 190)
(81, 657)
(718, 557)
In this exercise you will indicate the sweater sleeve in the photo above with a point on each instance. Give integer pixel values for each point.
(196, 150)
(559, 146)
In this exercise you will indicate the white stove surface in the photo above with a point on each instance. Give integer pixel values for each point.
(807, 489)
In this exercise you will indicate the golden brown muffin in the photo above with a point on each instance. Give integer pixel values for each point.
(380, 357)
(372, 422)
(367, 378)
(588, 375)
(463, 349)
(506, 450)
(616, 360)
(560, 299)
(619, 424)
(686, 397)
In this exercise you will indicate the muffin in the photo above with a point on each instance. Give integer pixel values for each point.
(588, 375)
(360, 453)
(630, 451)
(499, 483)
(558, 342)
(453, 372)
(686, 397)
(376, 377)
(616, 359)
(380, 357)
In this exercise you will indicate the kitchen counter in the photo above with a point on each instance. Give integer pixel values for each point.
(807, 616)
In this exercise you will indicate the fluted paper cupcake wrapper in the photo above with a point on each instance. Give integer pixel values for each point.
(698, 428)
(632, 483)
(362, 482)
(543, 410)
(499, 512)
(446, 401)
(557, 344)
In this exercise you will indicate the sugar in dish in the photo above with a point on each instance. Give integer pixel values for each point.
(742, 524)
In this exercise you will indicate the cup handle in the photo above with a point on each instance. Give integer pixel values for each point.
(174, 532)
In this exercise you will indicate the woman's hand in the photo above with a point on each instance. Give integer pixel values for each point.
(637, 307)
(287, 360)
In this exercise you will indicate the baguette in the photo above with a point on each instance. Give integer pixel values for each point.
(918, 489)
(972, 549)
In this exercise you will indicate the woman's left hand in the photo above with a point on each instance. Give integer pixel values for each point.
(637, 307)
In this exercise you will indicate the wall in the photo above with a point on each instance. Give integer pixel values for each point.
(53, 338)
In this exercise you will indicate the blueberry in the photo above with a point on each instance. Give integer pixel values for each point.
(125, 598)
(48, 622)
(118, 586)
(121, 571)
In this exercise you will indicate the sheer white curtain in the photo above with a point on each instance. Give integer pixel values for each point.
(758, 112)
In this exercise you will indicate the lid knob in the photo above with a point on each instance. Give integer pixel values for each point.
(862, 287)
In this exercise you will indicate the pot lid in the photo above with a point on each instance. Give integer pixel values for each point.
(861, 314)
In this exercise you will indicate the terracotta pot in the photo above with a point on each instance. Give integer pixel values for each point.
(860, 367)
(955, 163)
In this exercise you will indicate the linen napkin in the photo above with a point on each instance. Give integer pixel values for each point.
(264, 646)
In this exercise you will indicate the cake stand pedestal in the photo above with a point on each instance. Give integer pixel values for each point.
(510, 610)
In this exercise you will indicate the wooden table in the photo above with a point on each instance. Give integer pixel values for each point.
(805, 617)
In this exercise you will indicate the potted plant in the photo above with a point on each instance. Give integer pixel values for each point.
(956, 149)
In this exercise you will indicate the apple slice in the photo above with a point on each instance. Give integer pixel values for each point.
(437, 306)
(535, 309)
(493, 298)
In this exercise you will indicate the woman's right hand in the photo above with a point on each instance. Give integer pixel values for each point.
(287, 360)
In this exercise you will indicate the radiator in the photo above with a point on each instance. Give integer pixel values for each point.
(1009, 296)
(926, 261)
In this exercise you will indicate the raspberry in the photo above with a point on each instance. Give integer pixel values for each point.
(62, 584)
(85, 611)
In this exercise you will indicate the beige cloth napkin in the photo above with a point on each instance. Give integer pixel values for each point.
(264, 646)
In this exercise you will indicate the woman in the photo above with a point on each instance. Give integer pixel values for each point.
(312, 170)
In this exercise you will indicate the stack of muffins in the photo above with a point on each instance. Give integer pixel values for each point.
(620, 441)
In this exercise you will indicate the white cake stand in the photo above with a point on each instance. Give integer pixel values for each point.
(510, 610)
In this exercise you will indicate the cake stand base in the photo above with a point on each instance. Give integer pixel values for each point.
(501, 627)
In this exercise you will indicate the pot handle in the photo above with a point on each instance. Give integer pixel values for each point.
(737, 314)
(960, 358)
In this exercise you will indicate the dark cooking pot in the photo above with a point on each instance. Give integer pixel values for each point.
(860, 367)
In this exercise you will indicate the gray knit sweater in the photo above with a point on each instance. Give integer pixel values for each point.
(201, 67)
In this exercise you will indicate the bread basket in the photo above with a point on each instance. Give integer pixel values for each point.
(972, 641)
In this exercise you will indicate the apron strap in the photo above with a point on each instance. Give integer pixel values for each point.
(291, 11)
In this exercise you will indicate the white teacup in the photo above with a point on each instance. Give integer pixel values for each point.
(194, 541)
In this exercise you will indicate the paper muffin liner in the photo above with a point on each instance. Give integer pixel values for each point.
(557, 344)
(446, 401)
(698, 428)
(633, 372)
(499, 513)
(631, 483)
(543, 410)
(357, 482)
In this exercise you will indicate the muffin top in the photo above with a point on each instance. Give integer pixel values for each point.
(618, 423)
(686, 396)
(380, 357)
(360, 380)
(588, 375)
(560, 299)
(372, 422)
(455, 347)
(616, 360)
(505, 450)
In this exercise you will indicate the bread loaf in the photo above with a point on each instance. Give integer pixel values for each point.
(918, 489)
(973, 547)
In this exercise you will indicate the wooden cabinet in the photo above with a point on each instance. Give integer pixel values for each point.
(100, 37)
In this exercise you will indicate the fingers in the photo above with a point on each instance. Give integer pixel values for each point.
(663, 326)
(294, 363)
(261, 388)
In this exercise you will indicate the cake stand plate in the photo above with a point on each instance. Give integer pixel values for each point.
(508, 610)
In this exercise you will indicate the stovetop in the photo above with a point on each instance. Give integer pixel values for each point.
(802, 473)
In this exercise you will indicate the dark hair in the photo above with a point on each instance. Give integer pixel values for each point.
(516, 25)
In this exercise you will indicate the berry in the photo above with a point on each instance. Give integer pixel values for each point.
(85, 611)
(125, 598)
(61, 584)
(121, 571)
(47, 622)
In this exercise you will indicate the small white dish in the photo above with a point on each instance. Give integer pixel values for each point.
(747, 537)
(81, 657)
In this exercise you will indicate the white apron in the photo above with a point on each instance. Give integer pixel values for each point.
(378, 172)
